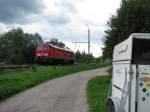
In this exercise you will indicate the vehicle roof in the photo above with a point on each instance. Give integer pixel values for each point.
(65, 48)
(123, 50)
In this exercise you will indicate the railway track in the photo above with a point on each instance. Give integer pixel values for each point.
(7, 68)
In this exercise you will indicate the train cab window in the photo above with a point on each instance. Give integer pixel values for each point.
(141, 51)
(70, 55)
(42, 47)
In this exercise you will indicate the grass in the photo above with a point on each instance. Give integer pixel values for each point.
(14, 82)
(97, 90)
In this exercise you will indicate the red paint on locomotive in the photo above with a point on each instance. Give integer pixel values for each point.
(48, 53)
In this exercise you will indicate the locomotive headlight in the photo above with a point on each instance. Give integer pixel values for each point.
(45, 54)
(38, 54)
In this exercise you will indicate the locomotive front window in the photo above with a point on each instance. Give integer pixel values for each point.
(42, 47)
(141, 51)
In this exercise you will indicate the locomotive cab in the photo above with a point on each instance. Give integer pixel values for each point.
(51, 54)
(42, 52)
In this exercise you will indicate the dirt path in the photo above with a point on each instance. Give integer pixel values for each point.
(65, 94)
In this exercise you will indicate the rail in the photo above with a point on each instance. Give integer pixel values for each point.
(7, 68)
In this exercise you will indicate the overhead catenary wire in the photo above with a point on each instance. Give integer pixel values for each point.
(88, 42)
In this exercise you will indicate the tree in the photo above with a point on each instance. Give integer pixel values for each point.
(131, 17)
(83, 57)
(56, 42)
(16, 47)
(77, 56)
(36, 37)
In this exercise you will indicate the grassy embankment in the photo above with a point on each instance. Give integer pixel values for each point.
(14, 82)
(97, 91)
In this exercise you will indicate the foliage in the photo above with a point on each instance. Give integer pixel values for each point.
(131, 17)
(14, 82)
(16, 47)
(97, 91)
(83, 57)
(36, 37)
(56, 42)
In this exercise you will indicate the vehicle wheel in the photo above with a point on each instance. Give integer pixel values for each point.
(110, 106)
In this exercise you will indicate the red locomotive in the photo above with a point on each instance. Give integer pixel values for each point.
(51, 54)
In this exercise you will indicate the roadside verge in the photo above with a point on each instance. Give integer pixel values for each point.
(97, 90)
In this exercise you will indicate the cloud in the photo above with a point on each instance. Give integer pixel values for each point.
(19, 11)
(3, 28)
(66, 6)
(61, 12)
(57, 19)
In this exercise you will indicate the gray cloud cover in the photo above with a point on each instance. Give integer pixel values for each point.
(17, 11)
(66, 8)
(57, 19)
(24, 11)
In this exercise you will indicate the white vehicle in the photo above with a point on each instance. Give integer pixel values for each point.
(130, 88)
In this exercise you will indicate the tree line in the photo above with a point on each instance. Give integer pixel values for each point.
(133, 16)
(17, 47)
(83, 57)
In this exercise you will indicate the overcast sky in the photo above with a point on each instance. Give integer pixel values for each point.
(63, 19)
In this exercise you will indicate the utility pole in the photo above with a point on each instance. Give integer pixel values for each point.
(75, 44)
(89, 44)
(89, 41)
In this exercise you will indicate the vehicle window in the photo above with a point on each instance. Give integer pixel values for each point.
(42, 47)
(141, 51)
